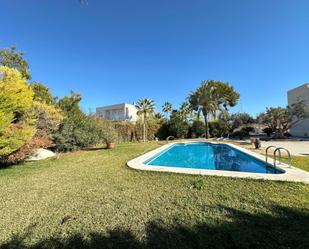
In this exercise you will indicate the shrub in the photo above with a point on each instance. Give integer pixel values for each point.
(178, 127)
(27, 150)
(153, 125)
(105, 130)
(17, 124)
(243, 132)
(268, 131)
(125, 131)
(128, 131)
(73, 135)
(76, 130)
(163, 131)
(48, 118)
(197, 129)
(217, 128)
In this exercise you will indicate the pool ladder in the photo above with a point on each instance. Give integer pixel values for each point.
(277, 149)
(169, 137)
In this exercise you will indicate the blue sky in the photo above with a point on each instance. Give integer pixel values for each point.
(123, 50)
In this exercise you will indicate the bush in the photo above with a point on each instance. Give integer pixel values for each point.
(105, 130)
(74, 135)
(17, 123)
(125, 131)
(27, 150)
(178, 127)
(243, 132)
(77, 131)
(164, 131)
(268, 131)
(128, 131)
(152, 127)
(217, 129)
(197, 129)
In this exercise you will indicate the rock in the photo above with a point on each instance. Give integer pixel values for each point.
(41, 154)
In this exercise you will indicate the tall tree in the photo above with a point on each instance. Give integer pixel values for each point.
(145, 107)
(167, 108)
(185, 110)
(12, 58)
(212, 97)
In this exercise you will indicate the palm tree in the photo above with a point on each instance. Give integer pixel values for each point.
(185, 110)
(145, 107)
(167, 107)
(211, 97)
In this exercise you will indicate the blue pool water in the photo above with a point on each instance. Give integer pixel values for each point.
(209, 156)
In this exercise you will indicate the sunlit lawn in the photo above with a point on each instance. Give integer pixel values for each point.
(91, 199)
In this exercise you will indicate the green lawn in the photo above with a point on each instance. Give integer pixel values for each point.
(91, 199)
(299, 161)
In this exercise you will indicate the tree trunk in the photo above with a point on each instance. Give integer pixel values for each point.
(144, 129)
(279, 133)
(206, 126)
(144, 132)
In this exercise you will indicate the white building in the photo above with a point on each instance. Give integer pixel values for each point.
(119, 112)
(301, 93)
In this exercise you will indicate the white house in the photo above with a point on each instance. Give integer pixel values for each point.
(301, 93)
(119, 112)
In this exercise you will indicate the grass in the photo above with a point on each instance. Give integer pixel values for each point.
(299, 161)
(91, 199)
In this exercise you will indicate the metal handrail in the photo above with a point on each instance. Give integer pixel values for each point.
(266, 156)
(169, 138)
(275, 155)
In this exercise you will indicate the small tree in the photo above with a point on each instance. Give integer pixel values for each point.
(10, 57)
(178, 127)
(280, 120)
(17, 124)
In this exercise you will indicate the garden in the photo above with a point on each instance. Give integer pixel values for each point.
(86, 196)
(91, 199)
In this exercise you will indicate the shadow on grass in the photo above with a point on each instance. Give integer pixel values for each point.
(287, 228)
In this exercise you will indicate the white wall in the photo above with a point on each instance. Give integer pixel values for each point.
(118, 112)
(301, 129)
(132, 112)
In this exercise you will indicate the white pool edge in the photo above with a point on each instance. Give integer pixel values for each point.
(291, 173)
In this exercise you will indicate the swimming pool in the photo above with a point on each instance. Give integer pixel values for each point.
(209, 156)
(215, 159)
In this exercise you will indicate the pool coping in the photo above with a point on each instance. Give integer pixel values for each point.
(290, 173)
